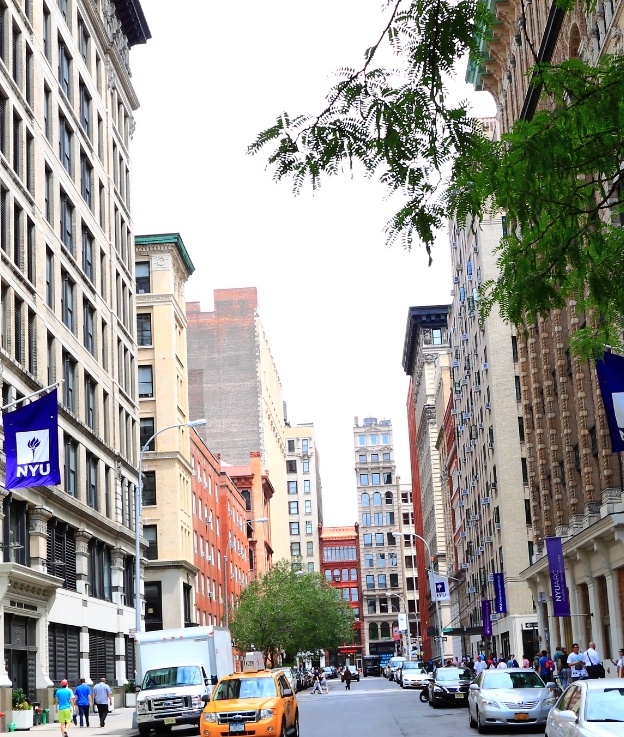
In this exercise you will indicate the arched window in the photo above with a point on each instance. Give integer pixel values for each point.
(354, 574)
(376, 499)
(247, 497)
(336, 574)
(373, 631)
(365, 500)
(389, 497)
(345, 574)
(385, 631)
(328, 576)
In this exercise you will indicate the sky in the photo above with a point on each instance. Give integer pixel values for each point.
(333, 297)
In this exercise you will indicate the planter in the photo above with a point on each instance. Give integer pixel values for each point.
(22, 719)
(130, 699)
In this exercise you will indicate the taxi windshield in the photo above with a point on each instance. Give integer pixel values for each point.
(245, 688)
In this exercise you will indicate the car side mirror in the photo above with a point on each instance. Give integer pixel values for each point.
(214, 680)
(137, 688)
(206, 698)
(474, 687)
(287, 692)
(567, 716)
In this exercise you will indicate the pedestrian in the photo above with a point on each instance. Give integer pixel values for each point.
(65, 700)
(546, 666)
(593, 662)
(323, 683)
(316, 686)
(564, 671)
(83, 700)
(557, 657)
(525, 662)
(480, 665)
(576, 661)
(502, 664)
(102, 698)
(347, 678)
(619, 664)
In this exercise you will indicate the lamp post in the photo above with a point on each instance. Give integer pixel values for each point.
(225, 574)
(137, 519)
(390, 594)
(433, 593)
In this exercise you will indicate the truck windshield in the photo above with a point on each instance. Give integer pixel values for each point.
(245, 688)
(182, 675)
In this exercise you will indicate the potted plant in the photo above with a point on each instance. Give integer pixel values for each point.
(130, 694)
(22, 711)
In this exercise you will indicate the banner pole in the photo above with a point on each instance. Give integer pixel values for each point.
(30, 396)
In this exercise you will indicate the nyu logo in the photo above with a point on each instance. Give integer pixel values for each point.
(618, 408)
(33, 453)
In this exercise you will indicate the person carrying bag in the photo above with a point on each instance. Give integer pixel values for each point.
(595, 668)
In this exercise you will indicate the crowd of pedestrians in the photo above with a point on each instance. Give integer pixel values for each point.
(72, 706)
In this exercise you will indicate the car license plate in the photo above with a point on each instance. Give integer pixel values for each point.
(521, 717)
(169, 720)
(237, 727)
(459, 695)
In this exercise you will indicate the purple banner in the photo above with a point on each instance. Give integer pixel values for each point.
(486, 621)
(558, 587)
(500, 599)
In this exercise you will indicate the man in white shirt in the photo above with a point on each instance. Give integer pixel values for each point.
(576, 661)
(480, 665)
(502, 664)
(592, 658)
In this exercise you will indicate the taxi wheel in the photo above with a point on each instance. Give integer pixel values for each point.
(295, 732)
(283, 733)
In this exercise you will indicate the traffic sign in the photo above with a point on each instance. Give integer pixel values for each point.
(440, 639)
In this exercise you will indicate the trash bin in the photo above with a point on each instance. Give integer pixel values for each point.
(44, 716)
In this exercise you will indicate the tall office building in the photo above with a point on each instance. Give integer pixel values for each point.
(234, 384)
(67, 315)
(575, 482)
(379, 507)
(305, 503)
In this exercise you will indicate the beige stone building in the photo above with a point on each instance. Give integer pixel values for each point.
(575, 482)
(67, 315)
(162, 269)
(305, 503)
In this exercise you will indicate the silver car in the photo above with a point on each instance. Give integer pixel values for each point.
(589, 709)
(412, 675)
(514, 696)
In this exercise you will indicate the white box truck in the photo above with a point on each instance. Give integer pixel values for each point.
(175, 669)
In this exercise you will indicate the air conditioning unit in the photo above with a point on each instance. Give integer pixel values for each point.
(494, 617)
(464, 382)
(472, 590)
(485, 500)
(464, 336)
(493, 485)
(453, 412)
(455, 280)
(474, 517)
(488, 405)
(464, 492)
(480, 549)
(491, 444)
(455, 364)
(460, 504)
(490, 577)
(480, 426)
(497, 525)
(462, 535)
(476, 388)
(488, 539)
(466, 415)
(485, 366)
(473, 484)
(464, 566)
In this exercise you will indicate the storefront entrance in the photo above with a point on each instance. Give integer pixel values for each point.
(20, 652)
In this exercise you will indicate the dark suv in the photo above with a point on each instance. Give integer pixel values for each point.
(449, 686)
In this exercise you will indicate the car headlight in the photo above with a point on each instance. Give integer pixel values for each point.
(267, 713)
(141, 707)
(489, 702)
(196, 702)
(210, 716)
(550, 702)
(439, 689)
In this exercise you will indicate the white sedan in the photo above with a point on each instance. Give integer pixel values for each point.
(589, 709)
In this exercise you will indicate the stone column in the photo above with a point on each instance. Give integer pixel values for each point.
(82, 538)
(85, 662)
(38, 534)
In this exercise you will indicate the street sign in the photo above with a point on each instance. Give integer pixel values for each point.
(531, 626)
(440, 639)
(446, 630)
(396, 634)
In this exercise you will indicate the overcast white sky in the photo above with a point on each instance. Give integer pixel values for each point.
(333, 298)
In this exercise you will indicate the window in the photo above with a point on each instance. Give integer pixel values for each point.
(384, 631)
(146, 381)
(385, 438)
(144, 329)
(61, 553)
(376, 479)
(370, 581)
(293, 507)
(150, 533)
(295, 550)
(381, 560)
(521, 428)
(89, 402)
(305, 465)
(66, 222)
(363, 479)
(373, 631)
(362, 458)
(391, 539)
(389, 518)
(88, 327)
(83, 41)
(69, 375)
(67, 300)
(64, 68)
(374, 457)
(142, 276)
(372, 440)
(309, 548)
(307, 506)
(376, 499)
(86, 178)
(378, 519)
(387, 477)
(385, 456)
(389, 497)
(85, 110)
(291, 466)
(361, 439)
(92, 480)
(365, 500)
(292, 487)
(65, 143)
(366, 519)
(368, 539)
(306, 486)
(291, 446)
(148, 489)
(145, 433)
(308, 527)
(71, 466)
(379, 539)
(294, 528)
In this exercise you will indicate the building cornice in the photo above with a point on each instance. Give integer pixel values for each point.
(170, 239)
(133, 21)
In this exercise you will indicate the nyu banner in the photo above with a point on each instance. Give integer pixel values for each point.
(486, 621)
(610, 372)
(556, 567)
(500, 600)
(439, 587)
(31, 444)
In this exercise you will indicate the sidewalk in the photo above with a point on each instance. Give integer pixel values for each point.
(117, 722)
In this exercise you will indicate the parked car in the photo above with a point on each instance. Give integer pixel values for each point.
(330, 672)
(412, 675)
(512, 697)
(594, 707)
(355, 673)
(393, 665)
(449, 685)
(290, 676)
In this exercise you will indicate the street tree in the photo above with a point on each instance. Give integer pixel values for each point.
(290, 611)
(557, 175)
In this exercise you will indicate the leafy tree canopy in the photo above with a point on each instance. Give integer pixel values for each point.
(556, 177)
(291, 611)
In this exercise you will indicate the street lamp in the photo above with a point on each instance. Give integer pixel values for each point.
(390, 594)
(137, 520)
(431, 588)
(225, 574)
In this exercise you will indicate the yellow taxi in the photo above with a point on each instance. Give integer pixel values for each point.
(254, 703)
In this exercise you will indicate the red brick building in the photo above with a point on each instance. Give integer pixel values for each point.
(340, 566)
